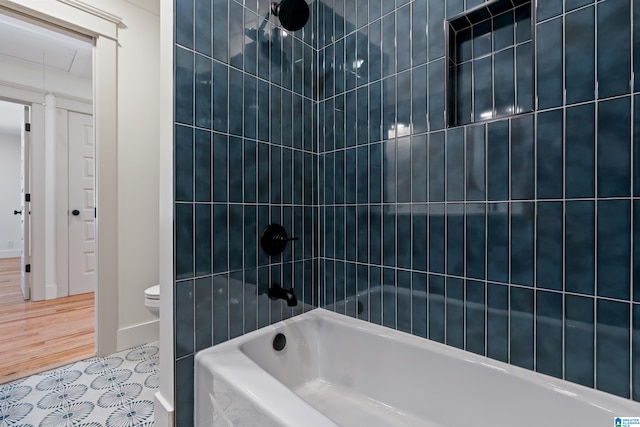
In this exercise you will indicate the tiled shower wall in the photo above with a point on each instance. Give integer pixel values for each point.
(245, 120)
(515, 238)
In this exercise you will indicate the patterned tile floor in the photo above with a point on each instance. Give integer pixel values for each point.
(112, 391)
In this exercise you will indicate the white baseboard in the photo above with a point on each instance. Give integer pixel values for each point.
(10, 253)
(162, 411)
(135, 335)
(50, 291)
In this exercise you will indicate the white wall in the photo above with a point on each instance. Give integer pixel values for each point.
(138, 175)
(32, 76)
(9, 194)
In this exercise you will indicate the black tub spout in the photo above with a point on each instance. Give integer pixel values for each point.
(278, 292)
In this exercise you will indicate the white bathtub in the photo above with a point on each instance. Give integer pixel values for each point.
(339, 371)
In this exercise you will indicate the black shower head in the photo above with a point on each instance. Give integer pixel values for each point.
(293, 14)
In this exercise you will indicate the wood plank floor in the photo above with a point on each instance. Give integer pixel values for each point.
(43, 335)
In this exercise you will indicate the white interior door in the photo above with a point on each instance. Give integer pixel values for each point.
(25, 224)
(82, 264)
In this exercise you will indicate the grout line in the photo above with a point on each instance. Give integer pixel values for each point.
(595, 207)
(486, 241)
(445, 233)
(632, 249)
(632, 221)
(564, 244)
(369, 226)
(535, 243)
(465, 231)
(510, 205)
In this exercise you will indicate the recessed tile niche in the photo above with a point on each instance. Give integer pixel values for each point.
(490, 59)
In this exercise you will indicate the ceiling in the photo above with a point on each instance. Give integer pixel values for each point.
(30, 43)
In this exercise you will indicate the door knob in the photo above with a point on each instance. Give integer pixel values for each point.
(75, 212)
(17, 212)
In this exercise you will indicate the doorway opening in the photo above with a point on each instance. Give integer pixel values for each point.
(47, 291)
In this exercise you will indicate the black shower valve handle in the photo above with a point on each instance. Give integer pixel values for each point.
(274, 239)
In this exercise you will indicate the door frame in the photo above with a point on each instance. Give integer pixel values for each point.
(102, 27)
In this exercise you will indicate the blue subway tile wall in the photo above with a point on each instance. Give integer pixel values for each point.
(512, 235)
(245, 156)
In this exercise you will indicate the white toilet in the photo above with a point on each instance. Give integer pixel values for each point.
(152, 300)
